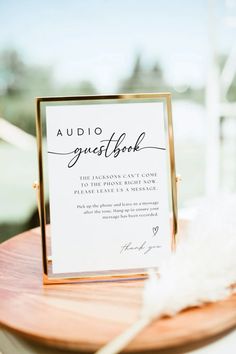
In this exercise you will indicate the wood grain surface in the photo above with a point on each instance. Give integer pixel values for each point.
(86, 316)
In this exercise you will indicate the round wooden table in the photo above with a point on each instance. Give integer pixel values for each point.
(83, 317)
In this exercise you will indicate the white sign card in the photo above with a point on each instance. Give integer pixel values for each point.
(108, 173)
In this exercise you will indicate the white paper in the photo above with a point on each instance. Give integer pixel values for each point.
(109, 208)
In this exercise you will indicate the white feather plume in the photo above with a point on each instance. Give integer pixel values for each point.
(203, 267)
(202, 270)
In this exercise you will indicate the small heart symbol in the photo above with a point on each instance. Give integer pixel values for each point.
(155, 230)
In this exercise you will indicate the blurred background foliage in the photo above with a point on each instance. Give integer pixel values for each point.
(21, 82)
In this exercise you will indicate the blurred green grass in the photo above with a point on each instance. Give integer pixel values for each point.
(19, 170)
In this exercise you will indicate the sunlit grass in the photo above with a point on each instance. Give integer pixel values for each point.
(18, 171)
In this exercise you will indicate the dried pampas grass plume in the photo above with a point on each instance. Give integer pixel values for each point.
(202, 270)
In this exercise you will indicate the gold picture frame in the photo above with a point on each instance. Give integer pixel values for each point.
(48, 277)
